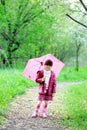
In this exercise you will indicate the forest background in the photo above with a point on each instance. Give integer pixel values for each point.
(33, 28)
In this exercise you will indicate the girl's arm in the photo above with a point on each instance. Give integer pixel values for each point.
(39, 79)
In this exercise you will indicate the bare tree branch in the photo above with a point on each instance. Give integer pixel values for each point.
(76, 21)
(83, 5)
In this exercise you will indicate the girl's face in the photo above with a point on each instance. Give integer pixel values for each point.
(47, 67)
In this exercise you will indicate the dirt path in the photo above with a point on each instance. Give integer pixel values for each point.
(21, 109)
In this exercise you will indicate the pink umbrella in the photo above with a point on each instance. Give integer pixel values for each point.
(36, 64)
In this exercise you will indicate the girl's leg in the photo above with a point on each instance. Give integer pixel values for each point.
(44, 109)
(35, 114)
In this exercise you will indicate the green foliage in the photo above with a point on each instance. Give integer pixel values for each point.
(12, 83)
(30, 29)
(74, 110)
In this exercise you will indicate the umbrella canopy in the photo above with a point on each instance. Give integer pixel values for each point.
(36, 64)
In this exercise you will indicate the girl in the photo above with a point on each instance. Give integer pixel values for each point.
(47, 81)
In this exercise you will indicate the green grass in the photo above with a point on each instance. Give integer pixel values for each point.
(69, 74)
(12, 83)
(73, 108)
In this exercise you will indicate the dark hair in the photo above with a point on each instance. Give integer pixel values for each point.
(48, 62)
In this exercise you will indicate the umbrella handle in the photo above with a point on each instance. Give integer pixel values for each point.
(41, 64)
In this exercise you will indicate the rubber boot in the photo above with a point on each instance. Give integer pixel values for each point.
(44, 111)
(35, 114)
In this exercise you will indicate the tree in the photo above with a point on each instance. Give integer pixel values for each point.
(3, 58)
(16, 16)
(82, 11)
(26, 22)
(78, 39)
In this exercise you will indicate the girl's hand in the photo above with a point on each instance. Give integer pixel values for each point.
(53, 94)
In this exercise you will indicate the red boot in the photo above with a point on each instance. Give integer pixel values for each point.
(44, 111)
(35, 114)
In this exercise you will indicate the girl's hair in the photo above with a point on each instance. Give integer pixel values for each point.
(48, 62)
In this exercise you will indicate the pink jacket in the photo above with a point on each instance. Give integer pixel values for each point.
(42, 87)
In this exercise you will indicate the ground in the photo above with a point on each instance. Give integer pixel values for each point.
(21, 109)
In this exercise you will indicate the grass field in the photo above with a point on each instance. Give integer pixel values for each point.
(73, 108)
(12, 83)
(69, 74)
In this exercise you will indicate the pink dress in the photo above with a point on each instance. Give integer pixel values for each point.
(46, 94)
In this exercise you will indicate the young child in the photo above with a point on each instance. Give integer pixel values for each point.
(47, 81)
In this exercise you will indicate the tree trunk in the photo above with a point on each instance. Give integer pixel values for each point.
(10, 54)
(77, 55)
(10, 58)
(77, 62)
(3, 59)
